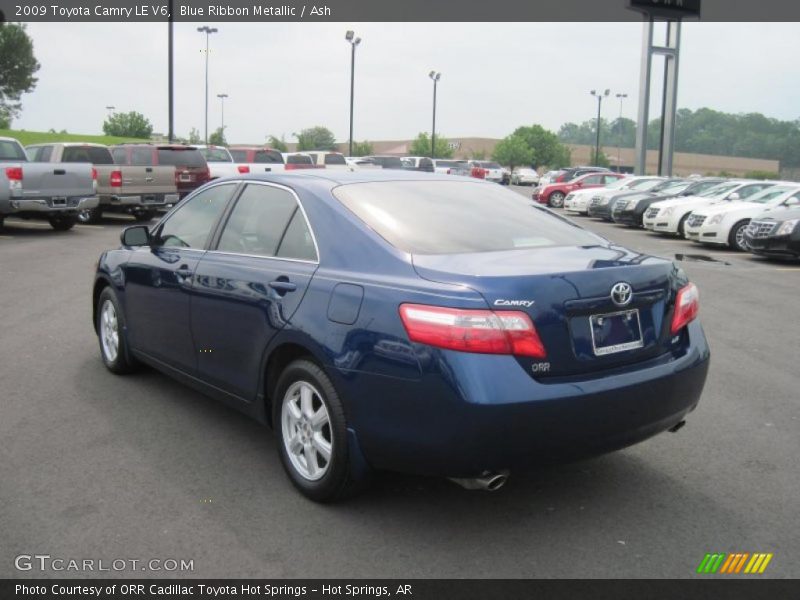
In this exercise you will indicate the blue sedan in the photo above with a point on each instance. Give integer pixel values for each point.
(404, 321)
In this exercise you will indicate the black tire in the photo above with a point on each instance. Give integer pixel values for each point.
(146, 216)
(682, 225)
(736, 236)
(337, 482)
(556, 200)
(123, 362)
(91, 216)
(62, 223)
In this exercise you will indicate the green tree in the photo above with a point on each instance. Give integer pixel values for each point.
(547, 149)
(277, 144)
(315, 138)
(479, 155)
(194, 136)
(421, 146)
(362, 148)
(217, 138)
(513, 151)
(130, 124)
(601, 160)
(17, 68)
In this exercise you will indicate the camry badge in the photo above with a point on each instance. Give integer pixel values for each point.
(621, 293)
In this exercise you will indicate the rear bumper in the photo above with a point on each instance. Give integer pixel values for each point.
(488, 414)
(47, 206)
(144, 201)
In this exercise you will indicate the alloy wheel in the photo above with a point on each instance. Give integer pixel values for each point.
(109, 331)
(306, 428)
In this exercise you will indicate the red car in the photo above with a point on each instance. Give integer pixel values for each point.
(553, 194)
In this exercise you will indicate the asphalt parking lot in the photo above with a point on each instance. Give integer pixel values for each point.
(100, 466)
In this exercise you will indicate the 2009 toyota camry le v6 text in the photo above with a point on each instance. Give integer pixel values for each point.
(404, 321)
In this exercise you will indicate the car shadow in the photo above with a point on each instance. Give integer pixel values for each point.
(206, 449)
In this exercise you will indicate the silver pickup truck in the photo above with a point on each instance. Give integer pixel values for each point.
(138, 190)
(53, 192)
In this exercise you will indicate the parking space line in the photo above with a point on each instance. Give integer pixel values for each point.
(91, 226)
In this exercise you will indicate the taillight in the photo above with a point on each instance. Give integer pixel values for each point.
(481, 331)
(243, 169)
(94, 174)
(14, 173)
(687, 305)
(116, 179)
(291, 167)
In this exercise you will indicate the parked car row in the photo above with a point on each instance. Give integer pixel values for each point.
(742, 214)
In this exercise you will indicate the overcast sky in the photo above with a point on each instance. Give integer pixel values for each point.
(285, 77)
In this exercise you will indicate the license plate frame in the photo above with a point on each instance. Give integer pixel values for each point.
(636, 341)
(58, 201)
(185, 177)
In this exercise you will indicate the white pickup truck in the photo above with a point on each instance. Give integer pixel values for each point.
(52, 192)
(221, 163)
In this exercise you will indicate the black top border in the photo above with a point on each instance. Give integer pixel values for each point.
(350, 11)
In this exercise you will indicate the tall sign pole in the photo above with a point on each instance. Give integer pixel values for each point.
(673, 11)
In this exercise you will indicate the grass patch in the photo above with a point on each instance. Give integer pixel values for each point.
(42, 137)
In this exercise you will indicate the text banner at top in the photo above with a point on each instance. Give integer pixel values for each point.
(392, 10)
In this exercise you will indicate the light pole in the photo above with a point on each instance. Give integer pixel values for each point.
(599, 97)
(222, 106)
(354, 41)
(435, 77)
(208, 31)
(619, 130)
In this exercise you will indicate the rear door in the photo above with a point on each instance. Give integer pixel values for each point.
(158, 279)
(248, 287)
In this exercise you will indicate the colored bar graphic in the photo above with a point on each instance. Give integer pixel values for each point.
(734, 563)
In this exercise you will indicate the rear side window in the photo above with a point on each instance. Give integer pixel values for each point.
(91, 154)
(268, 157)
(239, 155)
(12, 151)
(180, 157)
(443, 217)
(335, 159)
(267, 221)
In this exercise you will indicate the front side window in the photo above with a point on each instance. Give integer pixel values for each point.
(267, 221)
(191, 224)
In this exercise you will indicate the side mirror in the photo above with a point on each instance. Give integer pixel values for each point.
(136, 235)
(792, 202)
(734, 196)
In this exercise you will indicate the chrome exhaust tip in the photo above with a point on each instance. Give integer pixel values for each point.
(488, 481)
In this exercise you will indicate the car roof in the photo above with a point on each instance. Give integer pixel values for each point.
(336, 177)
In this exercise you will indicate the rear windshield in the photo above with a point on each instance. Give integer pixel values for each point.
(443, 217)
(335, 159)
(180, 157)
(11, 151)
(299, 159)
(216, 155)
(90, 154)
(389, 162)
(268, 157)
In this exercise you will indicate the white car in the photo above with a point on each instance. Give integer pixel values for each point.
(577, 202)
(221, 163)
(669, 216)
(724, 223)
(523, 176)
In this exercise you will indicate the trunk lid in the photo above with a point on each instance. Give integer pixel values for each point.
(561, 289)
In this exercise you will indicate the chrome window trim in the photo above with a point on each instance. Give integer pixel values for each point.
(247, 182)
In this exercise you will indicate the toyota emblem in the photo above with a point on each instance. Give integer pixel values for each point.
(621, 293)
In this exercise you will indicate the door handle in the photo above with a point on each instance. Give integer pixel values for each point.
(184, 271)
(282, 286)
